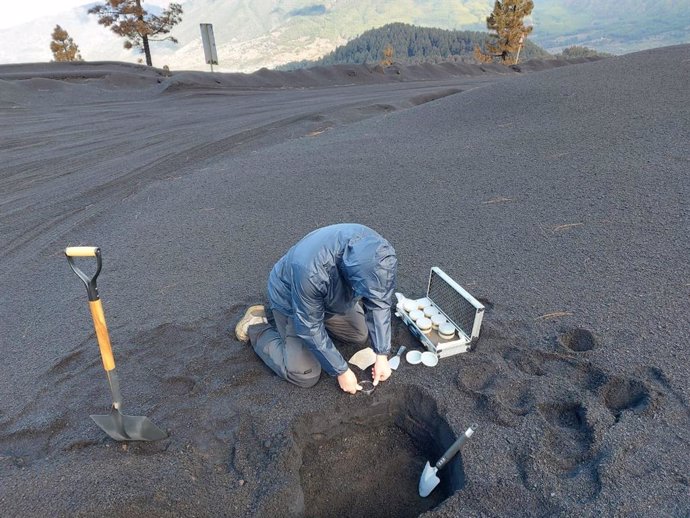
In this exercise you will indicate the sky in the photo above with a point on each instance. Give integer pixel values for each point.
(24, 11)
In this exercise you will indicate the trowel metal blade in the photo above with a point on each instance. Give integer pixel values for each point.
(129, 427)
(394, 362)
(428, 481)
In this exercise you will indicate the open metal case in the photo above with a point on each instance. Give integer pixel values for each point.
(459, 307)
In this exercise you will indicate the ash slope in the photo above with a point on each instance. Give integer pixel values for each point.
(559, 198)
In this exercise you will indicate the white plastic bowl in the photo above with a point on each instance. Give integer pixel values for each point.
(429, 359)
(414, 357)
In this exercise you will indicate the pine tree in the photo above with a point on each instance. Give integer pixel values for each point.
(387, 55)
(127, 18)
(507, 21)
(480, 56)
(63, 46)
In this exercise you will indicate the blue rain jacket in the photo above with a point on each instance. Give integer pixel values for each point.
(326, 273)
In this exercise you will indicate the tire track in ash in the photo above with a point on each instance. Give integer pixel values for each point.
(58, 217)
(53, 216)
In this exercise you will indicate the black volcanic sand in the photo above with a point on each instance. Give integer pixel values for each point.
(558, 197)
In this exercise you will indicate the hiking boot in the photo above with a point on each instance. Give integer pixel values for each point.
(254, 315)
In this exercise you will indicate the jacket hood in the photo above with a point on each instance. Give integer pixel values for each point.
(370, 266)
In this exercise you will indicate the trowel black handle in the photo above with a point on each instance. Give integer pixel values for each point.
(86, 251)
(455, 447)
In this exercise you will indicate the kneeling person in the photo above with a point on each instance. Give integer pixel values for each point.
(337, 280)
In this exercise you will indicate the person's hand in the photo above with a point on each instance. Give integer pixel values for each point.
(348, 382)
(381, 371)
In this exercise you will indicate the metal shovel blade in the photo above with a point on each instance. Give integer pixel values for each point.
(123, 427)
(428, 481)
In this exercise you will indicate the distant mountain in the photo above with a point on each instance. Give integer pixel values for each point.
(268, 33)
(412, 44)
(251, 34)
(615, 26)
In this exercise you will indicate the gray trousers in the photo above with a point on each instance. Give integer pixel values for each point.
(289, 357)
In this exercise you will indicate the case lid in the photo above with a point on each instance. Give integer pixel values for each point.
(455, 303)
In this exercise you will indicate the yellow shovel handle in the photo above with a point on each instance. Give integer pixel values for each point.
(102, 334)
(81, 251)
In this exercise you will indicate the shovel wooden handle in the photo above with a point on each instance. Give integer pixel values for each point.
(96, 307)
(81, 251)
(95, 304)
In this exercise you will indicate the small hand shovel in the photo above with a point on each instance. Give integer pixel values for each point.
(117, 425)
(394, 362)
(429, 480)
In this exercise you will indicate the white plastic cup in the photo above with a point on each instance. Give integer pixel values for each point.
(437, 320)
(367, 387)
(424, 325)
(416, 314)
(409, 305)
(423, 302)
(446, 331)
(430, 311)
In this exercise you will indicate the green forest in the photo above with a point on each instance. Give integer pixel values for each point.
(412, 44)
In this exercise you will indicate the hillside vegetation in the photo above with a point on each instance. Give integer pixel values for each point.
(412, 44)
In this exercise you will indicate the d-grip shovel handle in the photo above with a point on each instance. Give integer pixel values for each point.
(95, 303)
(455, 447)
(86, 251)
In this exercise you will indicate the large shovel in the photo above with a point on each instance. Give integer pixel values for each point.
(117, 425)
(428, 481)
